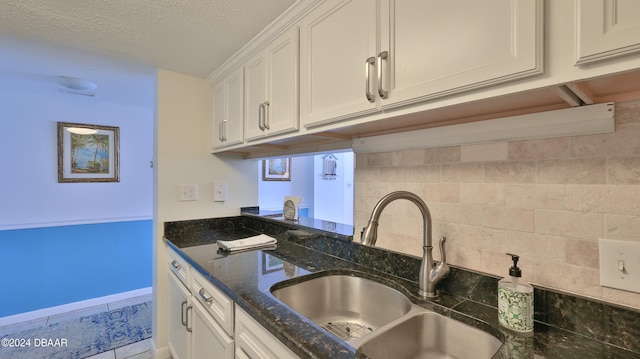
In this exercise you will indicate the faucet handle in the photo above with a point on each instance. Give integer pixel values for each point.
(443, 254)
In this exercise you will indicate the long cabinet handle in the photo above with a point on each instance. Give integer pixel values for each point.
(224, 131)
(367, 74)
(265, 123)
(220, 132)
(384, 55)
(203, 294)
(261, 116)
(189, 329)
(182, 320)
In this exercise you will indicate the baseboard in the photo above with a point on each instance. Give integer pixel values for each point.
(46, 312)
(159, 353)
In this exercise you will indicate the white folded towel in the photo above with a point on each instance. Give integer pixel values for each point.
(261, 240)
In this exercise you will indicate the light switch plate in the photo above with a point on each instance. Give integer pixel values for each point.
(219, 191)
(188, 192)
(620, 264)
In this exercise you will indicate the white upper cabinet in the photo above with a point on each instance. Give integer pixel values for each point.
(336, 39)
(606, 29)
(359, 56)
(432, 48)
(228, 96)
(271, 92)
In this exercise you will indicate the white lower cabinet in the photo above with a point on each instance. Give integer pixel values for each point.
(255, 342)
(209, 340)
(179, 329)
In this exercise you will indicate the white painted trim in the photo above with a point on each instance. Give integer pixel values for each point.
(47, 312)
(159, 353)
(73, 223)
(568, 122)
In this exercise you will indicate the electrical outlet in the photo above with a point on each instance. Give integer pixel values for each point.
(620, 264)
(188, 192)
(219, 191)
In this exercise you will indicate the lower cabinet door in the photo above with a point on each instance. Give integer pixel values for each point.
(209, 340)
(179, 302)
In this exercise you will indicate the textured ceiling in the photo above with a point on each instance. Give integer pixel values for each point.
(189, 36)
(119, 43)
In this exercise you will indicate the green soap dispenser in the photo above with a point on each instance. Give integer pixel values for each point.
(515, 300)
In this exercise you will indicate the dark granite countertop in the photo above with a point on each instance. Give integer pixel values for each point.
(247, 277)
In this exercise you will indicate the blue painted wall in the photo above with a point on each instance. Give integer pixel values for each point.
(47, 267)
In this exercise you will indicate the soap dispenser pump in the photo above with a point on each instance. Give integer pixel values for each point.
(515, 300)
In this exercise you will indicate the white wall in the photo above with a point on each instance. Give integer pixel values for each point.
(271, 193)
(29, 190)
(183, 156)
(334, 198)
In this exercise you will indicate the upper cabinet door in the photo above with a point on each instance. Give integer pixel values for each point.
(606, 29)
(433, 48)
(228, 111)
(336, 41)
(271, 94)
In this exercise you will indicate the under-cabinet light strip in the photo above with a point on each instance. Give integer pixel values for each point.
(575, 121)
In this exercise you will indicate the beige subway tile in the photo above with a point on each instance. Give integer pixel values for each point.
(583, 253)
(408, 158)
(581, 280)
(626, 228)
(442, 154)
(383, 159)
(623, 142)
(392, 241)
(496, 151)
(540, 149)
(424, 173)
(460, 255)
(463, 172)
(441, 192)
(516, 219)
(510, 172)
(628, 113)
(610, 199)
(482, 193)
(544, 196)
(569, 224)
(624, 170)
(583, 170)
(361, 160)
(458, 213)
(535, 246)
(483, 237)
(621, 297)
(367, 174)
(393, 174)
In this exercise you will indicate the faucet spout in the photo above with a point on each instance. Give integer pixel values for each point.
(430, 273)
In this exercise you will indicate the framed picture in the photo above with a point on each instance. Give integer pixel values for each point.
(88, 153)
(271, 264)
(276, 169)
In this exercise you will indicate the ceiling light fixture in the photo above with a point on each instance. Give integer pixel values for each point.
(73, 84)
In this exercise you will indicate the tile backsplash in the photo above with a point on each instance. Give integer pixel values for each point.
(548, 200)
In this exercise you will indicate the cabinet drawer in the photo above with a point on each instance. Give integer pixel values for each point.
(214, 301)
(179, 267)
(255, 342)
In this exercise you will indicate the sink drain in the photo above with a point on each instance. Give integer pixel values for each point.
(347, 330)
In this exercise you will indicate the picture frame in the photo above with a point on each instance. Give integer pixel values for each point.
(276, 169)
(271, 264)
(88, 153)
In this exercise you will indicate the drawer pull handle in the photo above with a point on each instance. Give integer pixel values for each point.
(189, 329)
(182, 312)
(384, 55)
(176, 265)
(203, 295)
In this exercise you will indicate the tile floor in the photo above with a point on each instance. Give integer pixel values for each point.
(138, 350)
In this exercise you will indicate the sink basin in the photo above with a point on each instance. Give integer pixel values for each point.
(429, 335)
(347, 306)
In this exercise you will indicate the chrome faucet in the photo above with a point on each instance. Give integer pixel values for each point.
(430, 273)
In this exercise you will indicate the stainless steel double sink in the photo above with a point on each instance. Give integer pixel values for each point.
(380, 321)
